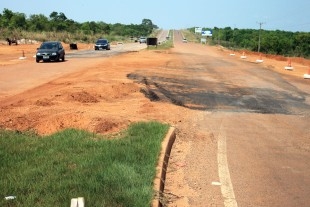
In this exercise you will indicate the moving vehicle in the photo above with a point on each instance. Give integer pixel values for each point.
(142, 40)
(50, 51)
(102, 44)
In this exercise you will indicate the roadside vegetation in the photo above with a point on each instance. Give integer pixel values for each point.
(106, 171)
(293, 44)
(164, 46)
(58, 27)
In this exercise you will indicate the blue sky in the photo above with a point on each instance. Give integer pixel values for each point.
(275, 14)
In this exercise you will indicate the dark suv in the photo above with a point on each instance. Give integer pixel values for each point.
(50, 51)
(102, 44)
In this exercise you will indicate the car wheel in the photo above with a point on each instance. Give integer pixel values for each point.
(63, 59)
(37, 60)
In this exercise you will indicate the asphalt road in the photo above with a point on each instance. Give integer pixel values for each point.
(28, 75)
(248, 143)
(162, 37)
(115, 49)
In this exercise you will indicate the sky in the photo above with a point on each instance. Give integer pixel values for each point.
(177, 14)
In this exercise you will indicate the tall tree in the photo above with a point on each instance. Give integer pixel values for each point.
(6, 17)
(18, 20)
(58, 21)
(147, 26)
(38, 22)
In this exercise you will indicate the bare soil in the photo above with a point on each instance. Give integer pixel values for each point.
(100, 99)
(105, 97)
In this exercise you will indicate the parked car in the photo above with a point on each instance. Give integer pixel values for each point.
(142, 40)
(184, 40)
(102, 44)
(50, 51)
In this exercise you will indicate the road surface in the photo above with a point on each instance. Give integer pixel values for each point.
(249, 142)
(242, 128)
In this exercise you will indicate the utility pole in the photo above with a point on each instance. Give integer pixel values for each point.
(218, 36)
(233, 39)
(259, 36)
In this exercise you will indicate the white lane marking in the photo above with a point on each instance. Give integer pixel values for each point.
(224, 175)
(216, 183)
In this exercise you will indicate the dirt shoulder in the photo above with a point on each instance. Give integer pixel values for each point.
(100, 98)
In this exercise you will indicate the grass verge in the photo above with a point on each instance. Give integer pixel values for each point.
(163, 46)
(168, 44)
(49, 171)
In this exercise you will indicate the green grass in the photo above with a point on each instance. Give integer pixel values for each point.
(191, 37)
(49, 171)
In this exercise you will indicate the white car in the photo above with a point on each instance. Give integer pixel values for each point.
(142, 40)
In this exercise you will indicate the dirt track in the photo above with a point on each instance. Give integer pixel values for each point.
(261, 110)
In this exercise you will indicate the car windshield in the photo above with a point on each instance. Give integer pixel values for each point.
(102, 41)
(49, 46)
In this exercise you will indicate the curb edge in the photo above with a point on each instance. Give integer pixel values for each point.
(161, 169)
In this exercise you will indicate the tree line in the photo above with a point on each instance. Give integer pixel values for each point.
(14, 23)
(275, 42)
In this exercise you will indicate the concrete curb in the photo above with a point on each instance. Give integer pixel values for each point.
(161, 169)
